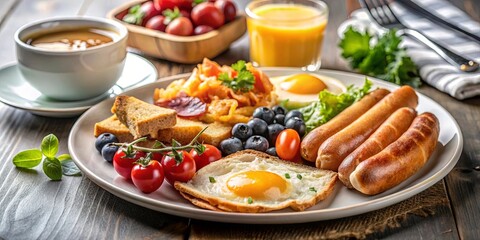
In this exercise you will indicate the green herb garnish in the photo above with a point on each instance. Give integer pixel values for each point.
(250, 200)
(385, 59)
(212, 179)
(312, 189)
(244, 80)
(287, 176)
(330, 104)
(53, 166)
(299, 176)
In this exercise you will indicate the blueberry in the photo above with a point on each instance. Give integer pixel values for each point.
(242, 131)
(273, 131)
(258, 126)
(293, 113)
(272, 151)
(296, 124)
(279, 110)
(231, 145)
(264, 113)
(103, 139)
(108, 151)
(280, 119)
(256, 142)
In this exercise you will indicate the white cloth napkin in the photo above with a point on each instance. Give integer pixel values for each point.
(433, 69)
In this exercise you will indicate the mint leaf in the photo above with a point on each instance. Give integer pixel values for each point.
(64, 157)
(52, 168)
(50, 146)
(28, 158)
(69, 168)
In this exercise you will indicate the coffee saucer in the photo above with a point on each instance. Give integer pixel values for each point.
(18, 93)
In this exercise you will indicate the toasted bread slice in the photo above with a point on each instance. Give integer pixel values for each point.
(302, 193)
(184, 131)
(143, 118)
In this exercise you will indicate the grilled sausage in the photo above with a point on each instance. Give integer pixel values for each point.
(400, 160)
(332, 152)
(388, 132)
(312, 141)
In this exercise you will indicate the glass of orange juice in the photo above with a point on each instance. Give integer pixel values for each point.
(286, 33)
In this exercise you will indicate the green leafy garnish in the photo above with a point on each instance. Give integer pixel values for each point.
(250, 200)
(212, 179)
(312, 189)
(330, 104)
(385, 59)
(53, 166)
(287, 176)
(299, 176)
(244, 80)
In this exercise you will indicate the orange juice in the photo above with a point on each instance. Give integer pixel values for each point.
(286, 34)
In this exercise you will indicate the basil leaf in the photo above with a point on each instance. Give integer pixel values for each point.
(64, 157)
(50, 146)
(69, 168)
(52, 168)
(28, 158)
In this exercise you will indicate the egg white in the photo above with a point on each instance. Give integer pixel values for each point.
(301, 192)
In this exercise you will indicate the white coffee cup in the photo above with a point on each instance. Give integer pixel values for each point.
(72, 74)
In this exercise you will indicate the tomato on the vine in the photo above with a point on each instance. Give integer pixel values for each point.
(288, 144)
(207, 14)
(180, 26)
(123, 161)
(180, 167)
(211, 154)
(148, 178)
(162, 5)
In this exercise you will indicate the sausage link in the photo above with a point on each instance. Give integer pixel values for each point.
(388, 132)
(312, 141)
(332, 152)
(400, 160)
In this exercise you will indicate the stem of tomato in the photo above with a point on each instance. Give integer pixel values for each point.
(189, 146)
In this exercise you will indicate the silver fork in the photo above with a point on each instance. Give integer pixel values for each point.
(381, 12)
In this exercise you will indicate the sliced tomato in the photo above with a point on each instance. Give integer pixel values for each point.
(210, 68)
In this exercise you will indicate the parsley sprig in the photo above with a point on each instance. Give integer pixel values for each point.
(385, 59)
(242, 82)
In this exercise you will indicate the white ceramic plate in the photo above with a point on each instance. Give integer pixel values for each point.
(342, 203)
(18, 93)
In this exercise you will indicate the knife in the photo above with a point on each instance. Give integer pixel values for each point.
(417, 8)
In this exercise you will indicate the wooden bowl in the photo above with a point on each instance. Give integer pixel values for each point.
(190, 49)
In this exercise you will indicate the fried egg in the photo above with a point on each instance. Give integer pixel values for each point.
(302, 89)
(251, 181)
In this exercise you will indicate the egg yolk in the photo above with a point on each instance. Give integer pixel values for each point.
(303, 84)
(257, 184)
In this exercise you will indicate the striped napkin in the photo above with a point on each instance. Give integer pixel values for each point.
(433, 69)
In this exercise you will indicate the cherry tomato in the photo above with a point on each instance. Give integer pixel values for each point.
(207, 14)
(148, 178)
(185, 13)
(157, 23)
(202, 29)
(228, 9)
(123, 164)
(179, 170)
(149, 11)
(211, 154)
(162, 5)
(288, 144)
(180, 26)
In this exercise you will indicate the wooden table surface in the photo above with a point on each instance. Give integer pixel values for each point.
(32, 207)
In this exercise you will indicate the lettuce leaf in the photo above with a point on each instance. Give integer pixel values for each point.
(330, 104)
